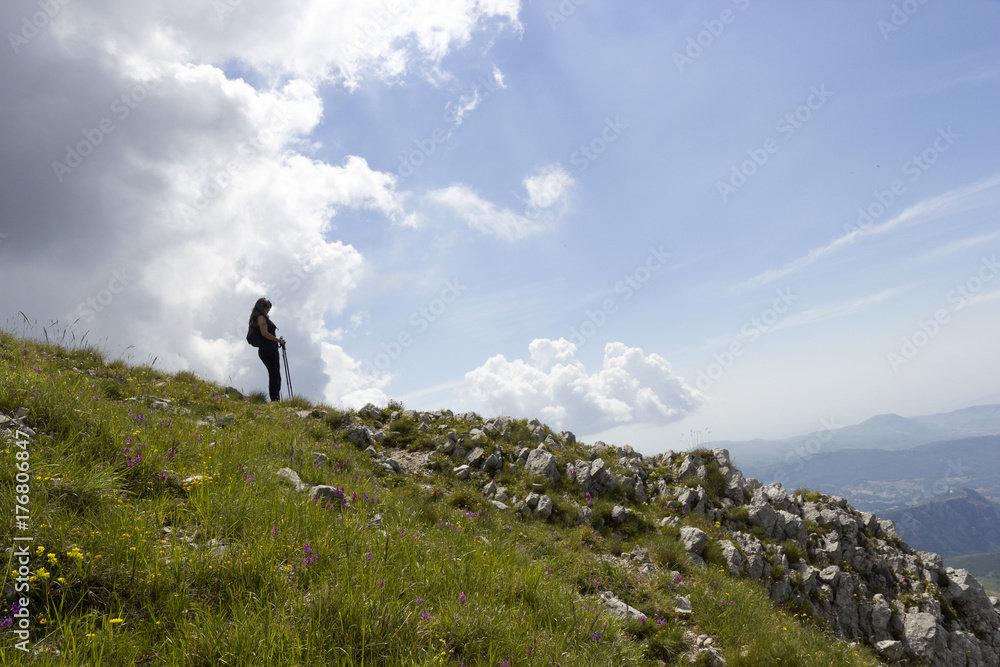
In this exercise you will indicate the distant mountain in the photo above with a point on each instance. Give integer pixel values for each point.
(958, 522)
(887, 431)
(879, 479)
(978, 420)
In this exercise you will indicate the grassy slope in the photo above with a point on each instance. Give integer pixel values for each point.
(131, 564)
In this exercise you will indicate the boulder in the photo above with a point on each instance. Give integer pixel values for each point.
(327, 494)
(290, 477)
(733, 557)
(542, 463)
(543, 510)
(890, 649)
(923, 635)
(476, 457)
(359, 435)
(763, 515)
(694, 539)
(621, 514)
(594, 477)
(619, 608)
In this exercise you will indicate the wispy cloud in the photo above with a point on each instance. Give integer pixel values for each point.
(838, 310)
(961, 244)
(925, 209)
(468, 103)
(982, 298)
(811, 316)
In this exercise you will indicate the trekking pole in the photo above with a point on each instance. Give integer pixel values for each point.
(288, 376)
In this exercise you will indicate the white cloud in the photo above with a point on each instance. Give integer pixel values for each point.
(206, 193)
(348, 42)
(348, 385)
(548, 191)
(466, 104)
(950, 201)
(631, 388)
(548, 187)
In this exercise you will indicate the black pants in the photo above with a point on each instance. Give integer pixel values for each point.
(269, 355)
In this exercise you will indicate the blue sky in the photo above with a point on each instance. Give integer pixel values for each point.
(631, 220)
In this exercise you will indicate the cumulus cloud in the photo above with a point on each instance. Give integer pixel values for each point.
(153, 195)
(630, 388)
(548, 190)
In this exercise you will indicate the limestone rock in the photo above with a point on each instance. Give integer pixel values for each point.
(541, 462)
(290, 477)
(694, 539)
(619, 608)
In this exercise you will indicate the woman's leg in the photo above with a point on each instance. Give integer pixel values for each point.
(269, 355)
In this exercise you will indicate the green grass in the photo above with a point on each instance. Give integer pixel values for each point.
(159, 540)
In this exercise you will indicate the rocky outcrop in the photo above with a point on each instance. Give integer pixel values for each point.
(847, 569)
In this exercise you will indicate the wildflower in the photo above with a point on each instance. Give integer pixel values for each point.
(425, 616)
(461, 596)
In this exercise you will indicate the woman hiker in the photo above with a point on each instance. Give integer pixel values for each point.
(268, 350)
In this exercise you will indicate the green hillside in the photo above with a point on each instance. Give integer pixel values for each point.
(159, 532)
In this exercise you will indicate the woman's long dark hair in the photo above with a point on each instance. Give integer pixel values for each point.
(260, 308)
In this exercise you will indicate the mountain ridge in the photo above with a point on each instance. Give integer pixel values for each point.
(883, 431)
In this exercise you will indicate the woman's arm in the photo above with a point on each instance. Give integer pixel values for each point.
(262, 323)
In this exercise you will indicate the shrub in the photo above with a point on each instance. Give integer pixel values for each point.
(794, 552)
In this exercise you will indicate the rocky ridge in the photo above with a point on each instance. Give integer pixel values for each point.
(810, 551)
